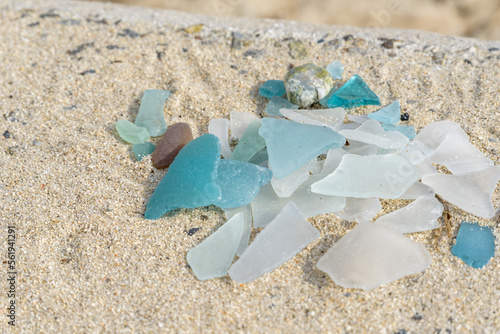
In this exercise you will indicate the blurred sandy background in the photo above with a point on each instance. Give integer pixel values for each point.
(471, 18)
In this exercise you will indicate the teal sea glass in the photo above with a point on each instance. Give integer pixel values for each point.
(150, 115)
(272, 88)
(131, 133)
(407, 130)
(250, 143)
(354, 93)
(276, 103)
(143, 149)
(290, 145)
(475, 244)
(324, 101)
(191, 179)
(388, 115)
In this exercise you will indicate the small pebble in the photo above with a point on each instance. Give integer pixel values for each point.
(6, 134)
(307, 84)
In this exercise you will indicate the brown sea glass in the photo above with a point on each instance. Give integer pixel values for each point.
(172, 141)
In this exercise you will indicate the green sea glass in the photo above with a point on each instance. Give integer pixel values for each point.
(354, 93)
(249, 144)
(291, 145)
(131, 133)
(272, 88)
(150, 114)
(191, 179)
(143, 149)
(388, 115)
(276, 103)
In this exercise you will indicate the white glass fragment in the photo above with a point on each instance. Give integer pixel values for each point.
(219, 127)
(325, 117)
(360, 119)
(285, 186)
(426, 168)
(371, 132)
(359, 148)
(318, 166)
(416, 152)
(333, 159)
(247, 225)
(418, 189)
(371, 255)
(240, 121)
(360, 209)
(433, 134)
(284, 237)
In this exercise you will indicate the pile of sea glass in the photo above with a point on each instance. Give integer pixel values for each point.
(299, 163)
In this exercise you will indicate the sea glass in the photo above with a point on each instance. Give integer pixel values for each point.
(259, 158)
(434, 133)
(272, 88)
(150, 115)
(324, 117)
(250, 143)
(291, 145)
(285, 187)
(214, 255)
(282, 239)
(142, 150)
(336, 69)
(389, 114)
(276, 103)
(354, 93)
(247, 225)
(407, 130)
(239, 122)
(360, 209)
(416, 152)
(333, 159)
(171, 142)
(371, 132)
(131, 133)
(475, 244)
(220, 128)
(418, 189)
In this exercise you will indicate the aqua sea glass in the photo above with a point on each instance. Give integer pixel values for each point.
(389, 115)
(150, 113)
(336, 69)
(354, 93)
(291, 145)
(250, 143)
(407, 130)
(259, 157)
(276, 103)
(239, 182)
(191, 179)
(475, 244)
(272, 88)
(142, 150)
(324, 101)
(131, 133)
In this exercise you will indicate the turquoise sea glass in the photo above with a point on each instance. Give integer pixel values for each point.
(131, 133)
(324, 101)
(272, 88)
(407, 130)
(475, 244)
(150, 115)
(290, 145)
(191, 179)
(143, 149)
(353, 93)
(388, 115)
(250, 143)
(336, 69)
(240, 182)
(276, 103)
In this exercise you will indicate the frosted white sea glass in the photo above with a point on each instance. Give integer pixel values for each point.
(247, 225)
(239, 122)
(326, 117)
(371, 132)
(219, 127)
(433, 134)
(360, 209)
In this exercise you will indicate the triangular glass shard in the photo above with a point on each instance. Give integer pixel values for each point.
(420, 215)
(471, 192)
(280, 241)
(240, 122)
(276, 103)
(150, 115)
(354, 93)
(250, 144)
(239, 182)
(336, 69)
(360, 209)
(247, 225)
(460, 156)
(131, 133)
(220, 129)
(323, 117)
(417, 190)
(371, 132)
(272, 88)
(407, 130)
(371, 255)
(291, 145)
(475, 244)
(214, 255)
(333, 159)
(389, 114)
(433, 134)
(383, 176)
(191, 179)
(285, 186)
(142, 150)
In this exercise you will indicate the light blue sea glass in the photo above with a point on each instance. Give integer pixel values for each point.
(276, 103)
(353, 93)
(389, 114)
(336, 69)
(407, 130)
(191, 179)
(272, 88)
(131, 133)
(239, 182)
(291, 145)
(150, 115)
(475, 244)
(143, 149)
(250, 143)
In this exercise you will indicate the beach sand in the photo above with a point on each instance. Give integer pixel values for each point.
(88, 261)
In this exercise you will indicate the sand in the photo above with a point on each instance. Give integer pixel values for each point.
(88, 261)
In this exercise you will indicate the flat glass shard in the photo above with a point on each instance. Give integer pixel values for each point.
(459, 155)
(247, 225)
(389, 114)
(191, 179)
(433, 134)
(417, 190)
(475, 244)
(371, 132)
(360, 119)
(354, 93)
(323, 117)
(239, 182)
(171, 142)
(150, 115)
(213, 256)
(333, 159)
(281, 240)
(383, 176)
(471, 192)
(317, 167)
(272, 88)
(240, 122)
(371, 255)
(291, 145)
(142, 150)
(131, 133)
(407, 130)
(220, 129)
(416, 152)
(250, 143)
(307, 84)
(426, 168)
(336, 69)
(420, 215)
(276, 103)
(286, 186)
(259, 158)
(360, 209)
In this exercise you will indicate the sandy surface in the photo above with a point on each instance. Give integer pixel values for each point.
(87, 259)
